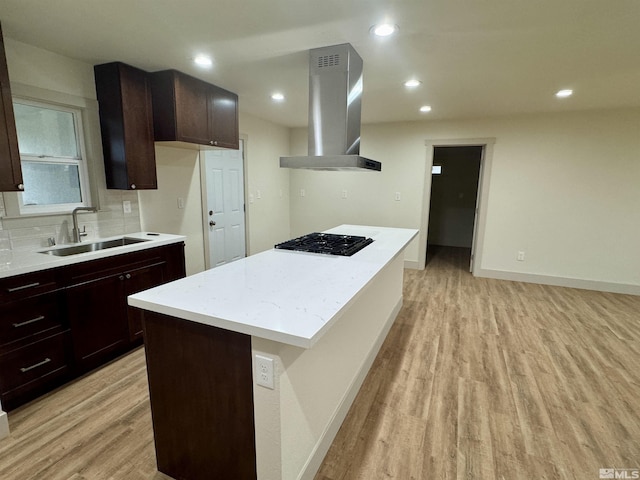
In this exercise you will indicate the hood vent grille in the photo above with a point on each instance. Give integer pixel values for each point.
(329, 60)
(335, 91)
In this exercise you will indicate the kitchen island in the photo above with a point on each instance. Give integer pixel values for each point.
(321, 319)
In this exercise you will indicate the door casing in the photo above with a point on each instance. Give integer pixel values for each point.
(204, 199)
(481, 203)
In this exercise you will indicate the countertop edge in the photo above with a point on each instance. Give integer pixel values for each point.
(273, 334)
(37, 261)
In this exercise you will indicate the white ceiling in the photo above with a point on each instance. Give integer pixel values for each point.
(474, 57)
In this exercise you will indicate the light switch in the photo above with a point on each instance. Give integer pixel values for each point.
(180, 202)
(126, 206)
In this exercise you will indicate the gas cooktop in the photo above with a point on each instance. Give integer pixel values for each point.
(327, 243)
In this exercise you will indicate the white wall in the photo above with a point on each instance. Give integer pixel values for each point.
(370, 195)
(44, 69)
(37, 72)
(179, 175)
(178, 171)
(43, 75)
(564, 188)
(268, 215)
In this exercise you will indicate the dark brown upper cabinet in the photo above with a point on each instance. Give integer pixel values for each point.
(10, 170)
(126, 122)
(186, 109)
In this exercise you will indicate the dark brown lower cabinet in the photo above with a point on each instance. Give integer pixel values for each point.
(34, 369)
(138, 280)
(98, 324)
(58, 324)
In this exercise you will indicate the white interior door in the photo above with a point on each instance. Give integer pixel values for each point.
(224, 216)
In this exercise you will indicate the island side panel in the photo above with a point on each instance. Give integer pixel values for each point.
(201, 391)
(297, 422)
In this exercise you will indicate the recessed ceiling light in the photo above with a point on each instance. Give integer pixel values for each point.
(425, 108)
(564, 93)
(384, 29)
(412, 83)
(202, 61)
(277, 97)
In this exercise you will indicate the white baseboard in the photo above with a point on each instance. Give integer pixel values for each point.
(611, 287)
(4, 425)
(412, 265)
(322, 447)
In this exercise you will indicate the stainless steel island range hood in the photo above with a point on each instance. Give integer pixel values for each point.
(335, 91)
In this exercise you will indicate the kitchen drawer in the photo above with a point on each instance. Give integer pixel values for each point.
(33, 316)
(38, 363)
(87, 271)
(27, 285)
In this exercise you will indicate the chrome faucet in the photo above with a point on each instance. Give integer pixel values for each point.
(77, 236)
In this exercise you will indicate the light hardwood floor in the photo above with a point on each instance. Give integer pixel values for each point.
(478, 379)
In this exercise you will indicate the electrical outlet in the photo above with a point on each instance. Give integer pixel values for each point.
(344, 194)
(397, 196)
(258, 194)
(302, 192)
(126, 206)
(520, 256)
(264, 371)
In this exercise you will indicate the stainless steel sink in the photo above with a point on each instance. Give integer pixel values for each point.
(92, 247)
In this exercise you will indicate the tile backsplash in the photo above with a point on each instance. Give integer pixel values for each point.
(31, 233)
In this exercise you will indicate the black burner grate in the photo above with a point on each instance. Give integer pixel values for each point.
(327, 243)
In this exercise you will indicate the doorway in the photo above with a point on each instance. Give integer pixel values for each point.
(224, 212)
(454, 189)
(485, 147)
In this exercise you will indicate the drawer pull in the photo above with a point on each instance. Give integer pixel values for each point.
(17, 289)
(27, 322)
(44, 362)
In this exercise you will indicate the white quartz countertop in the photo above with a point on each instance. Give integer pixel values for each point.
(280, 295)
(19, 262)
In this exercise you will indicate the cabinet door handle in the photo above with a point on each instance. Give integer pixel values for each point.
(121, 277)
(127, 276)
(27, 322)
(36, 365)
(16, 289)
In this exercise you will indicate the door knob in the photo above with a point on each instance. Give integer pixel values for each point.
(212, 223)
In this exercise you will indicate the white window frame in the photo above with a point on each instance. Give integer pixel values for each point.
(80, 161)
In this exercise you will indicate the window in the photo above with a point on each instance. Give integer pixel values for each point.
(54, 166)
